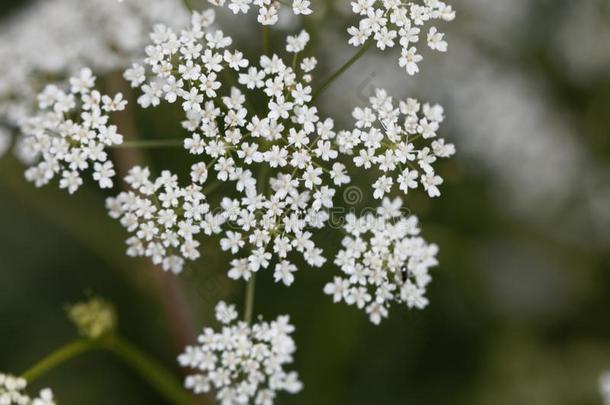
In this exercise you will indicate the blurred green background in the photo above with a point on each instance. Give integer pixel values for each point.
(519, 304)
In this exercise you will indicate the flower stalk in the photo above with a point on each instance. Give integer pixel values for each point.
(249, 301)
(150, 370)
(150, 144)
(342, 69)
(58, 357)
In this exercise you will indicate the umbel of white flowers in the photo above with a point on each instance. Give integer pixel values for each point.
(389, 21)
(242, 363)
(163, 217)
(271, 218)
(76, 33)
(267, 9)
(383, 260)
(302, 150)
(12, 391)
(70, 134)
(386, 22)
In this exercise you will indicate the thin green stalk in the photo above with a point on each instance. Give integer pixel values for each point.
(188, 5)
(342, 69)
(151, 371)
(294, 61)
(263, 177)
(209, 189)
(249, 301)
(147, 144)
(58, 357)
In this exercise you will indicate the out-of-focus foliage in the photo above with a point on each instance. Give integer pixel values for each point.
(519, 304)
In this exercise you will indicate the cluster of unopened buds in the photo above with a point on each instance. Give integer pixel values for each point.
(253, 125)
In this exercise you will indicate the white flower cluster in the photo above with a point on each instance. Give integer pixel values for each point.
(604, 387)
(51, 39)
(242, 364)
(71, 133)
(286, 135)
(386, 136)
(291, 139)
(391, 21)
(235, 136)
(267, 9)
(384, 260)
(184, 66)
(11, 392)
(276, 225)
(163, 217)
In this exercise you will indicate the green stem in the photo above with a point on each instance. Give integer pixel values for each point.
(210, 188)
(146, 144)
(263, 178)
(188, 5)
(342, 69)
(294, 61)
(151, 371)
(58, 357)
(249, 302)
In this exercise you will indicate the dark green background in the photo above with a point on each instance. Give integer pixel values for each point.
(519, 304)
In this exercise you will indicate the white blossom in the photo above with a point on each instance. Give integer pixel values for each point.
(400, 141)
(242, 363)
(272, 218)
(12, 392)
(391, 22)
(71, 133)
(54, 38)
(163, 218)
(267, 10)
(383, 260)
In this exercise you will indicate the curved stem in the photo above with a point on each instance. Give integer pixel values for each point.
(342, 69)
(58, 357)
(249, 302)
(147, 144)
(151, 371)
